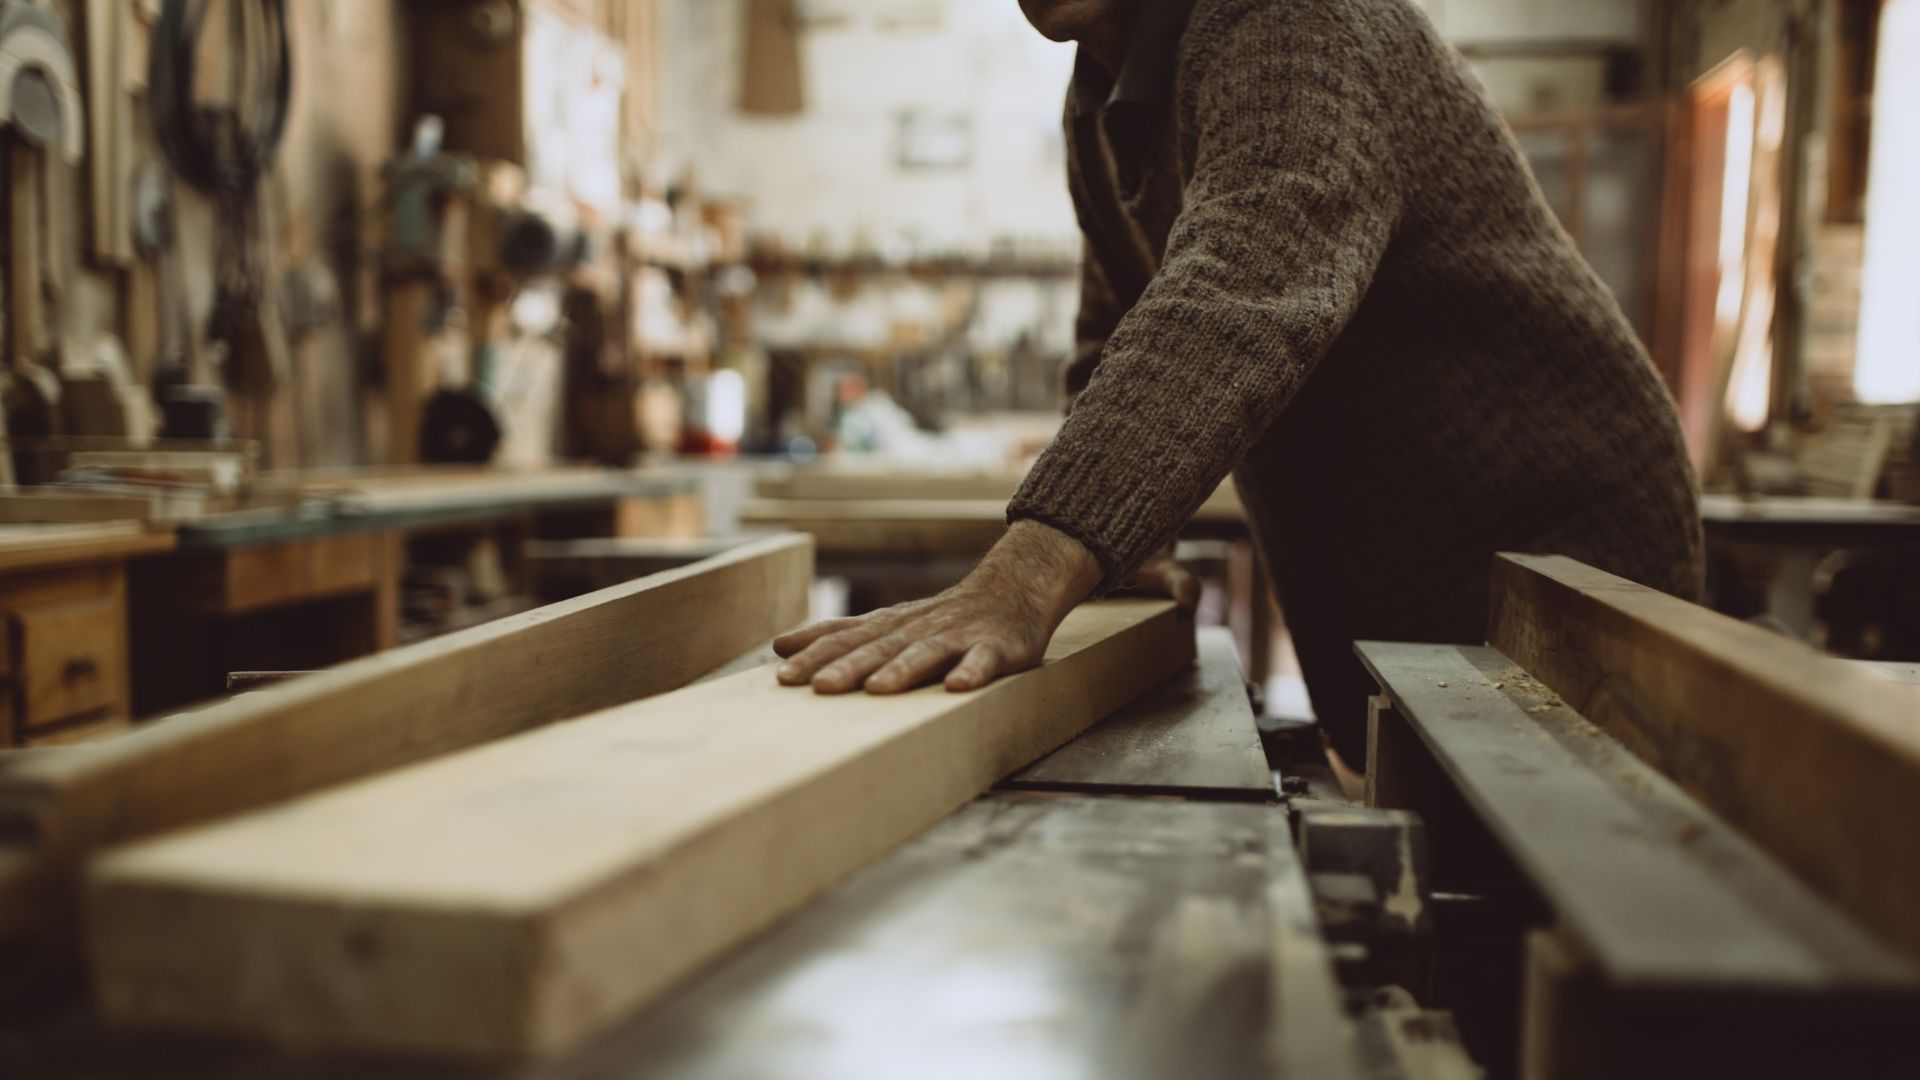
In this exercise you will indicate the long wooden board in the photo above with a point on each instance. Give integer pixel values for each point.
(515, 898)
(1816, 760)
(571, 658)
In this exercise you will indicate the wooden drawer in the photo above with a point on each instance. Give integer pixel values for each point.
(72, 661)
(341, 564)
(273, 575)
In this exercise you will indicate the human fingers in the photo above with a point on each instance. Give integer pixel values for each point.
(981, 665)
(801, 668)
(851, 670)
(1165, 577)
(916, 664)
(795, 640)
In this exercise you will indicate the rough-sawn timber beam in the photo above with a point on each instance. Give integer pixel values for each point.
(512, 899)
(1816, 760)
(396, 708)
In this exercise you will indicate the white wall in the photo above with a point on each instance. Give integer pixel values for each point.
(828, 178)
(1888, 366)
(1484, 21)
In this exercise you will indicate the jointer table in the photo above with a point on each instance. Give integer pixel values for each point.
(1129, 906)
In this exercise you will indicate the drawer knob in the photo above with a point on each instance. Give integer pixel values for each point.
(80, 667)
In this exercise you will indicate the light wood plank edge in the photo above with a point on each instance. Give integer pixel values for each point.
(567, 659)
(1817, 761)
(599, 952)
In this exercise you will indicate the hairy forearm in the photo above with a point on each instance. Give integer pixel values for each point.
(1043, 565)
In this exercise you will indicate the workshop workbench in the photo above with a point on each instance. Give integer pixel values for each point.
(308, 587)
(1128, 906)
(1794, 534)
(64, 628)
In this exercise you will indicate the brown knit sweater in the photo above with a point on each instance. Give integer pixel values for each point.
(1315, 258)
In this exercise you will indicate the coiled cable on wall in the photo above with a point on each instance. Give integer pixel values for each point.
(221, 149)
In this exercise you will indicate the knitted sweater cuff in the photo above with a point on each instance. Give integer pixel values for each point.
(1110, 520)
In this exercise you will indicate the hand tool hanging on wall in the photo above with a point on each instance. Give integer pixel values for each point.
(40, 106)
(225, 149)
(188, 409)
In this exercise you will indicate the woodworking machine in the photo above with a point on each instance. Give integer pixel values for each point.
(1528, 889)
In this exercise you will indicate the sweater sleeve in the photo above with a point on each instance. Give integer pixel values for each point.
(1099, 314)
(1290, 204)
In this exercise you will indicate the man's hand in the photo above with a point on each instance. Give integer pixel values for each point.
(996, 622)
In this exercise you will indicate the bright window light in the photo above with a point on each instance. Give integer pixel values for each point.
(1737, 182)
(1750, 385)
(1887, 364)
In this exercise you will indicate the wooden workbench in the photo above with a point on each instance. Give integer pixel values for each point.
(1794, 534)
(310, 587)
(64, 628)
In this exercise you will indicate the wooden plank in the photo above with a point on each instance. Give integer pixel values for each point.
(1014, 901)
(407, 705)
(1194, 736)
(1896, 670)
(516, 898)
(1815, 760)
(1656, 919)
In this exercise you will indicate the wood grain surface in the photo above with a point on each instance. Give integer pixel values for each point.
(510, 900)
